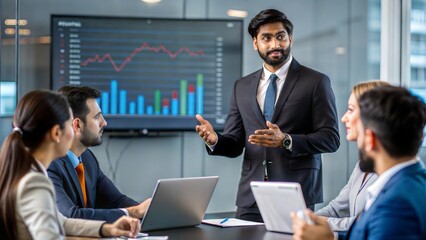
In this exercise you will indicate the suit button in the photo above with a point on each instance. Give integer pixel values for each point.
(264, 162)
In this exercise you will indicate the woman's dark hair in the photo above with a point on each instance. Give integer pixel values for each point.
(37, 112)
(269, 16)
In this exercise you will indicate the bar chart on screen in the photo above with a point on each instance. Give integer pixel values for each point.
(150, 72)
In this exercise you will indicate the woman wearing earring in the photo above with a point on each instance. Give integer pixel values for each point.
(343, 210)
(42, 132)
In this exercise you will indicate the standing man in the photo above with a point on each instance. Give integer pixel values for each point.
(283, 115)
(389, 136)
(82, 189)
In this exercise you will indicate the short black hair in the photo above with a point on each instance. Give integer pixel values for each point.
(396, 117)
(77, 97)
(269, 16)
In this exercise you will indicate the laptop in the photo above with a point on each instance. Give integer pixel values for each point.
(276, 200)
(179, 202)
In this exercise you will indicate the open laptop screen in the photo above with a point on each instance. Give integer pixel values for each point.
(179, 202)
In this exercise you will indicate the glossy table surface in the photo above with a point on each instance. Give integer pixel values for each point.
(208, 232)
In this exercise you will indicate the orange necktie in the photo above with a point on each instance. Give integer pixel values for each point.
(80, 174)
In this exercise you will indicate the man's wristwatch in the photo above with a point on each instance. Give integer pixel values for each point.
(286, 141)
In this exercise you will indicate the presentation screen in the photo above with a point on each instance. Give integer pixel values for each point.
(153, 74)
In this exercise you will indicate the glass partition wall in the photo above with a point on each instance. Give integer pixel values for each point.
(338, 38)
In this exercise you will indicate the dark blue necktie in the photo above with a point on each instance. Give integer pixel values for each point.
(271, 93)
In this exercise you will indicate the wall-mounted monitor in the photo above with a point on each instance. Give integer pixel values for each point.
(153, 74)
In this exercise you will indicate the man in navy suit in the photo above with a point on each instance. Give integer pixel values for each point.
(389, 135)
(283, 116)
(97, 198)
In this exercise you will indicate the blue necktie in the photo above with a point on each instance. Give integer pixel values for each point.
(271, 93)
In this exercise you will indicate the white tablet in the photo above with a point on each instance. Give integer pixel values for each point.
(276, 200)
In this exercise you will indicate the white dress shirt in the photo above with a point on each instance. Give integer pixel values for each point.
(264, 82)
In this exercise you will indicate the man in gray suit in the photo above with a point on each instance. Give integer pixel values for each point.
(283, 115)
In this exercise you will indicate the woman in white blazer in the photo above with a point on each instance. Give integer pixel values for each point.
(42, 132)
(343, 209)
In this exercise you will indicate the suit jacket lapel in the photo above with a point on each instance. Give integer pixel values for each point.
(362, 221)
(74, 178)
(253, 92)
(290, 81)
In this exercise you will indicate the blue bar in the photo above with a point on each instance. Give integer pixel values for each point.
(175, 107)
(191, 103)
(123, 102)
(141, 104)
(114, 96)
(105, 102)
(200, 99)
(132, 107)
(149, 110)
(165, 110)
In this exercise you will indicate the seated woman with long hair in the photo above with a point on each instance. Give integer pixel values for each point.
(42, 132)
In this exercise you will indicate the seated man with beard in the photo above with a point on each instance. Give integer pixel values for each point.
(82, 189)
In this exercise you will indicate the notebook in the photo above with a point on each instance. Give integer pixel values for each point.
(276, 200)
(179, 202)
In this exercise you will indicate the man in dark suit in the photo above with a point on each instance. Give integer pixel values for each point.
(389, 135)
(283, 115)
(93, 196)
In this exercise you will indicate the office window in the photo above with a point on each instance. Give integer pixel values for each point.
(417, 81)
(418, 45)
(373, 46)
(7, 98)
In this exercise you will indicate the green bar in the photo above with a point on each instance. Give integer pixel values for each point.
(157, 102)
(183, 97)
(199, 80)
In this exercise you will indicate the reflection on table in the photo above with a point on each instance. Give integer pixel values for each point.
(207, 232)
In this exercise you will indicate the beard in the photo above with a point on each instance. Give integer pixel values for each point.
(90, 139)
(366, 163)
(285, 53)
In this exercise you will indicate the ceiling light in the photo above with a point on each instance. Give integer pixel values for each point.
(12, 31)
(12, 22)
(151, 1)
(237, 13)
(340, 50)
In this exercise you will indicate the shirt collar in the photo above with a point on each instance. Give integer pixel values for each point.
(73, 158)
(377, 186)
(43, 169)
(281, 72)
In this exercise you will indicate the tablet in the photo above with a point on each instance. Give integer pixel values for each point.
(276, 200)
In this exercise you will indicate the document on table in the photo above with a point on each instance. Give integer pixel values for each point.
(230, 222)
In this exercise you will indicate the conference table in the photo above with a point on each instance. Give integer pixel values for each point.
(208, 232)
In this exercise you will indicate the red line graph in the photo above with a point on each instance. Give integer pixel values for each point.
(144, 46)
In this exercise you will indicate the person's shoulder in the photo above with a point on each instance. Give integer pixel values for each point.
(57, 164)
(88, 154)
(89, 159)
(307, 70)
(33, 180)
(33, 176)
(255, 74)
(415, 181)
(312, 72)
